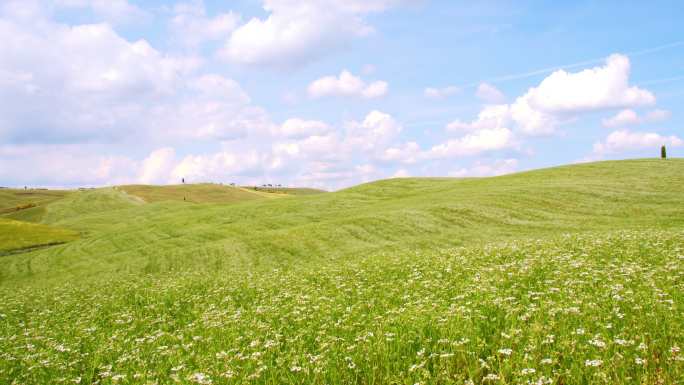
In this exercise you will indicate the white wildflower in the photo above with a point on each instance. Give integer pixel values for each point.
(200, 378)
(506, 351)
(594, 363)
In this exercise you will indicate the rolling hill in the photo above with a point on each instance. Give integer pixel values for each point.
(27, 205)
(195, 193)
(18, 236)
(567, 275)
(395, 214)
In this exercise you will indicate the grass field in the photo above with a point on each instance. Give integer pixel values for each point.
(285, 190)
(27, 205)
(569, 275)
(196, 193)
(19, 235)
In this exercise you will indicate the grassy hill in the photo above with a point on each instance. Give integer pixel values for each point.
(388, 215)
(27, 205)
(285, 190)
(19, 235)
(569, 275)
(196, 193)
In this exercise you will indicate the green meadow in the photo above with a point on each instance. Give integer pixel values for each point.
(566, 275)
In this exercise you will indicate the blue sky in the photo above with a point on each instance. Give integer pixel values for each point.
(329, 94)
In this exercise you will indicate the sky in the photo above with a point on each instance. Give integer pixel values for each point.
(329, 94)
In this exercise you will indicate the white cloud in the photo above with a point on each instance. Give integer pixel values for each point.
(492, 116)
(376, 130)
(219, 87)
(483, 140)
(622, 118)
(588, 90)
(218, 167)
(407, 153)
(346, 84)
(628, 117)
(156, 167)
(96, 85)
(102, 87)
(299, 128)
(561, 97)
(482, 169)
(490, 94)
(191, 26)
(401, 173)
(564, 94)
(440, 93)
(63, 165)
(624, 140)
(296, 32)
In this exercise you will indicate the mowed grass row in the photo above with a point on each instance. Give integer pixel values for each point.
(17, 235)
(572, 309)
(124, 236)
(27, 204)
(195, 193)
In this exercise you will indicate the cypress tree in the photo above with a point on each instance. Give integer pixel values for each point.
(663, 152)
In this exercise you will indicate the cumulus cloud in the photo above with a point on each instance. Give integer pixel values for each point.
(407, 153)
(401, 173)
(346, 84)
(220, 166)
(376, 130)
(490, 94)
(489, 132)
(191, 26)
(564, 94)
(297, 32)
(624, 140)
(492, 116)
(96, 86)
(622, 118)
(301, 151)
(63, 165)
(219, 87)
(591, 89)
(101, 87)
(156, 167)
(299, 128)
(482, 169)
(474, 143)
(628, 117)
(440, 93)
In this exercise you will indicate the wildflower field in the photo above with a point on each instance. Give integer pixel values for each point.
(572, 275)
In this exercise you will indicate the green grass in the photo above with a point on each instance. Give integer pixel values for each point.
(285, 190)
(194, 193)
(569, 275)
(18, 235)
(27, 205)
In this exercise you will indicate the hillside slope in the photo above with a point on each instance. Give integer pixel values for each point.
(385, 216)
(27, 205)
(195, 193)
(571, 275)
(19, 235)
